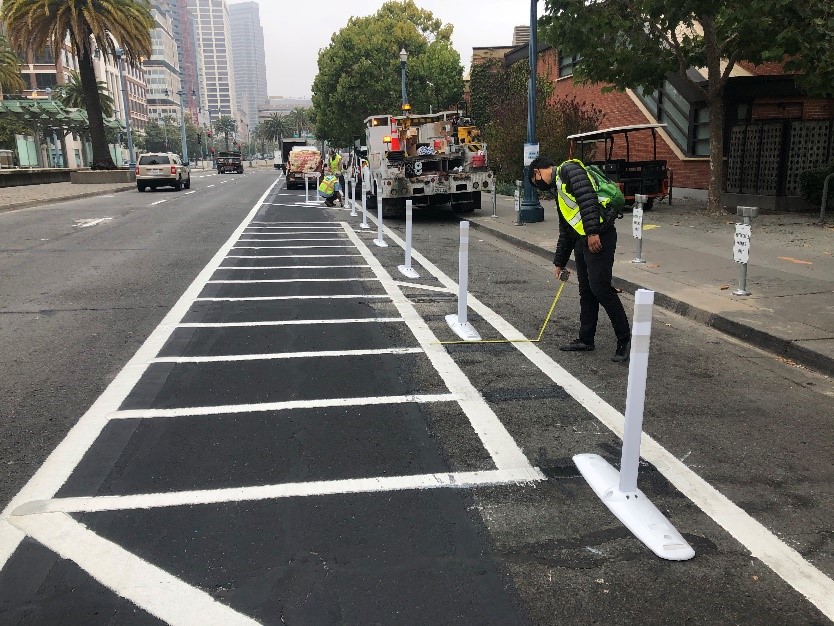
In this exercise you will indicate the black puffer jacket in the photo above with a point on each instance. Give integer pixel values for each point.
(580, 187)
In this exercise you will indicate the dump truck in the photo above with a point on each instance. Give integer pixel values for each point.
(282, 155)
(302, 160)
(229, 162)
(430, 159)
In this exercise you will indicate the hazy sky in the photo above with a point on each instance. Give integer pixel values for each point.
(295, 31)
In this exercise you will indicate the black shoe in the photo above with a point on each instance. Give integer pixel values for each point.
(621, 353)
(577, 346)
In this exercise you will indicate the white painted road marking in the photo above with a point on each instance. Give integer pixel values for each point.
(275, 356)
(361, 320)
(256, 298)
(288, 267)
(86, 223)
(98, 504)
(292, 280)
(188, 193)
(157, 202)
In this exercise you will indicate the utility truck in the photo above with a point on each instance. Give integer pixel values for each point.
(430, 159)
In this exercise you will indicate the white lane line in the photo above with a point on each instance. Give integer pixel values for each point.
(279, 233)
(209, 186)
(53, 473)
(277, 356)
(292, 239)
(157, 202)
(401, 283)
(283, 222)
(291, 256)
(360, 320)
(324, 229)
(164, 596)
(785, 561)
(289, 267)
(285, 247)
(91, 222)
(265, 298)
(288, 405)
(498, 442)
(99, 504)
(188, 193)
(292, 280)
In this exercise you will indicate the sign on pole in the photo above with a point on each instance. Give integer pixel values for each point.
(637, 222)
(531, 151)
(741, 247)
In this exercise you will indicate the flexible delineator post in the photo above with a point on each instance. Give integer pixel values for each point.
(353, 197)
(380, 237)
(364, 223)
(463, 271)
(406, 269)
(641, 331)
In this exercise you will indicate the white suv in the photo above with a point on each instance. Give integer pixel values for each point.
(162, 169)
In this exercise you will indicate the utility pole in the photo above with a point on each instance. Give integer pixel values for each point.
(119, 54)
(181, 93)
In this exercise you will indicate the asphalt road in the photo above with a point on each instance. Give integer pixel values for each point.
(292, 445)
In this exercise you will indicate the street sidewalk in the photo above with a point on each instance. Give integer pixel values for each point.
(689, 265)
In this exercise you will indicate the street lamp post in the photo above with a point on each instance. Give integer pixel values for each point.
(403, 61)
(211, 130)
(531, 209)
(119, 54)
(181, 93)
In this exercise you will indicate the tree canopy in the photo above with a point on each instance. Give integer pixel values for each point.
(635, 43)
(360, 75)
(10, 79)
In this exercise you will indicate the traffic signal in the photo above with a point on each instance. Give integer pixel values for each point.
(199, 139)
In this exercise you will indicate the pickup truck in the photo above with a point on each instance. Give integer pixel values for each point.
(229, 162)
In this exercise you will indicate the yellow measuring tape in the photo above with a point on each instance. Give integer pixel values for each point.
(536, 340)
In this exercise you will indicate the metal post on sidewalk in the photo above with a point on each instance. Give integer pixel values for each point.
(364, 225)
(741, 247)
(517, 202)
(406, 269)
(637, 225)
(824, 197)
(494, 201)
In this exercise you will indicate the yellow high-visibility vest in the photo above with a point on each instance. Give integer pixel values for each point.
(335, 162)
(328, 184)
(568, 206)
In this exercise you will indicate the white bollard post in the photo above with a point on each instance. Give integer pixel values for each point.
(406, 269)
(306, 188)
(353, 212)
(618, 490)
(458, 323)
(380, 237)
(364, 224)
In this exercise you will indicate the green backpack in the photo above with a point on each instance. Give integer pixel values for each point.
(608, 192)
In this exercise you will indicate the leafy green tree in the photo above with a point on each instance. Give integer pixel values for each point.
(9, 127)
(162, 136)
(636, 43)
(359, 72)
(499, 105)
(227, 126)
(71, 94)
(88, 24)
(10, 79)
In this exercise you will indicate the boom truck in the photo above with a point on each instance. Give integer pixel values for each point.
(430, 159)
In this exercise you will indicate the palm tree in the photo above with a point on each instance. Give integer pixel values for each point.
(89, 25)
(10, 79)
(71, 94)
(227, 126)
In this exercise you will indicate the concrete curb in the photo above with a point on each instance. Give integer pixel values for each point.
(89, 194)
(777, 346)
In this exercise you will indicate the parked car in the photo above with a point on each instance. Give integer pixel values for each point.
(162, 169)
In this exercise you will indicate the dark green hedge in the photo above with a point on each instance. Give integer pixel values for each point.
(811, 183)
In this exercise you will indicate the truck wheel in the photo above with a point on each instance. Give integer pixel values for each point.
(140, 186)
(649, 204)
(178, 185)
(470, 202)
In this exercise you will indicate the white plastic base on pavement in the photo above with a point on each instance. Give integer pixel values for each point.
(633, 509)
(408, 272)
(463, 330)
(381, 243)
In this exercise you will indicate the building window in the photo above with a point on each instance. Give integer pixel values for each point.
(567, 62)
(687, 123)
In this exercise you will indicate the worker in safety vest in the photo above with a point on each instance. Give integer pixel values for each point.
(593, 240)
(330, 190)
(335, 163)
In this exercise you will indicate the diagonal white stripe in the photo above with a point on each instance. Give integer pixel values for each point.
(283, 355)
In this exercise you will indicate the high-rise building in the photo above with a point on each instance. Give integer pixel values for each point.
(521, 35)
(189, 57)
(162, 74)
(249, 58)
(213, 33)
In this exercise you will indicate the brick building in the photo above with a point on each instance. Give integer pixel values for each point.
(772, 131)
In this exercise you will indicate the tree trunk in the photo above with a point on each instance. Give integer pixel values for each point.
(715, 103)
(101, 152)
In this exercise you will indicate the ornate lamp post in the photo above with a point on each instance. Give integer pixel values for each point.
(181, 93)
(531, 209)
(403, 61)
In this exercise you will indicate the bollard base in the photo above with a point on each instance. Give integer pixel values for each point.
(463, 330)
(408, 272)
(381, 243)
(365, 226)
(638, 260)
(741, 292)
(634, 510)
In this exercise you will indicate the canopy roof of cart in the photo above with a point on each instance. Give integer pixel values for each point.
(607, 133)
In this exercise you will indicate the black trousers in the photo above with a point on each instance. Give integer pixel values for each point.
(594, 274)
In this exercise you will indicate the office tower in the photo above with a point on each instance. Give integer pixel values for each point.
(161, 69)
(189, 57)
(213, 34)
(521, 35)
(249, 58)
